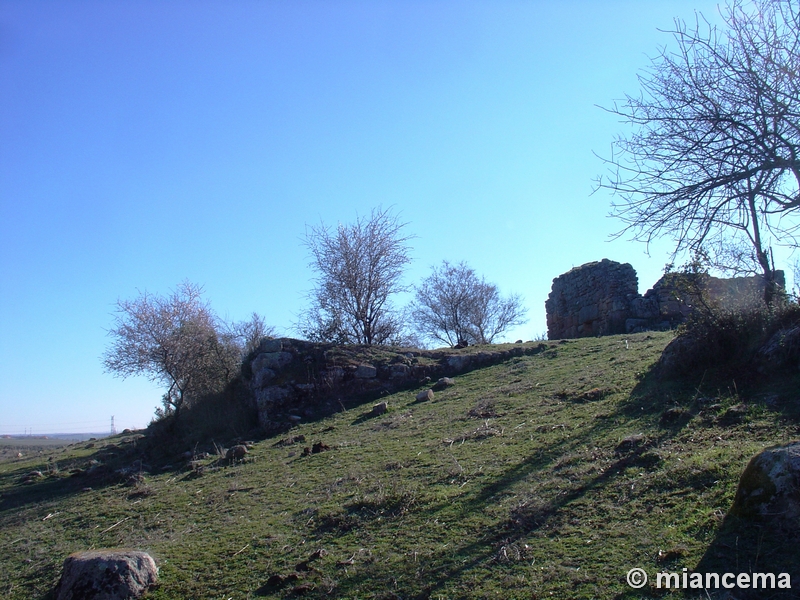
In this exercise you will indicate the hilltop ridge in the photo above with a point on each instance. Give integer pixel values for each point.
(549, 475)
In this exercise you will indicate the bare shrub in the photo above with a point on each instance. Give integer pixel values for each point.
(453, 305)
(714, 157)
(175, 340)
(359, 267)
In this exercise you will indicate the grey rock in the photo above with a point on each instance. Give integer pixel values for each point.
(443, 383)
(781, 350)
(334, 374)
(262, 377)
(484, 358)
(366, 372)
(458, 362)
(271, 345)
(268, 399)
(636, 325)
(271, 395)
(271, 360)
(425, 396)
(399, 371)
(679, 357)
(770, 486)
(106, 575)
(379, 409)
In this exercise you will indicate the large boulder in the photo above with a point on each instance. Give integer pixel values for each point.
(459, 362)
(381, 408)
(782, 350)
(237, 452)
(770, 486)
(106, 575)
(681, 356)
(272, 360)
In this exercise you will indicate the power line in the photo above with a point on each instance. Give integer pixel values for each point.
(48, 428)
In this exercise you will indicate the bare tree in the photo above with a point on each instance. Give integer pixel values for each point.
(173, 340)
(247, 335)
(454, 306)
(714, 158)
(359, 267)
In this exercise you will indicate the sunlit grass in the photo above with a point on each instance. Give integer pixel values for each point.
(521, 481)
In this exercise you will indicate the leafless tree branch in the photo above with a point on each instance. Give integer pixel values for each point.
(174, 340)
(714, 157)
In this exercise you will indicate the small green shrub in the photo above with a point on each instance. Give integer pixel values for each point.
(222, 416)
(734, 341)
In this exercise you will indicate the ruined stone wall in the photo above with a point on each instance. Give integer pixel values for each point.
(602, 298)
(293, 380)
(590, 300)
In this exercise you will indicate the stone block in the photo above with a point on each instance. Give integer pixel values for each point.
(270, 345)
(425, 396)
(272, 360)
(366, 372)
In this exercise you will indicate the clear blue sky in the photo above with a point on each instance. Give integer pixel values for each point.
(143, 143)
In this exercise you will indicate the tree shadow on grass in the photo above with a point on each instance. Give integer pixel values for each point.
(654, 394)
(368, 416)
(485, 548)
(651, 399)
(451, 564)
(528, 518)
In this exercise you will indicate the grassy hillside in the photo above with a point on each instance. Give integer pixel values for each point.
(547, 476)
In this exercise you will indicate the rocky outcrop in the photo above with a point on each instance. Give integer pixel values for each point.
(106, 575)
(770, 486)
(291, 380)
(782, 350)
(602, 298)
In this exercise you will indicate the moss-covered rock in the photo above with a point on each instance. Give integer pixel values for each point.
(770, 486)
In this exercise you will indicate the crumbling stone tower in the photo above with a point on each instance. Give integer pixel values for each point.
(602, 298)
(591, 300)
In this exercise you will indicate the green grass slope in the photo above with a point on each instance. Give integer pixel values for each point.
(547, 476)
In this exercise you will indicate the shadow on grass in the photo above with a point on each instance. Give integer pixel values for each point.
(526, 519)
(777, 392)
(368, 416)
(745, 546)
(736, 548)
(445, 566)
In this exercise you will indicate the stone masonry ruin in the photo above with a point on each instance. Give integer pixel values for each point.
(602, 298)
(292, 380)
